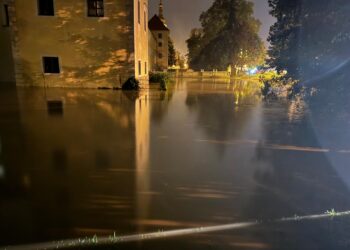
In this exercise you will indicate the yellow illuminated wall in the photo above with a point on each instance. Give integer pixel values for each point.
(141, 40)
(159, 63)
(92, 51)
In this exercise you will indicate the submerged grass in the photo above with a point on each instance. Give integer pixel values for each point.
(114, 239)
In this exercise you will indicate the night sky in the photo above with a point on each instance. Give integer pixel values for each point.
(183, 15)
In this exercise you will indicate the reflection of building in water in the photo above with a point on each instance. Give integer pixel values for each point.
(142, 141)
(80, 43)
(76, 173)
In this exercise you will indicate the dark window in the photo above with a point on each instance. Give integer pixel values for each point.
(160, 44)
(51, 65)
(139, 11)
(145, 68)
(95, 8)
(160, 35)
(46, 8)
(160, 55)
(140, 68)
(6, 21)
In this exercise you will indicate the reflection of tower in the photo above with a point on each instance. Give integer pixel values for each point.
(161, 16)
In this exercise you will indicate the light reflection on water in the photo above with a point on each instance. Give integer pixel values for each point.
(203, 153)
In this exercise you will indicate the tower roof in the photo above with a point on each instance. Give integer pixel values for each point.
(156, 24)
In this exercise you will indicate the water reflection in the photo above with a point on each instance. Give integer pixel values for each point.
(74, 176)
(203, 153)
(55, 107)
(142, 139)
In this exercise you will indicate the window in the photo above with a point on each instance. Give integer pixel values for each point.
(146, 68)
(160, 35)
(51, 65)
(46, 8)
(160, 44)
(95, 8)
(145, 20)
(140, 68)
(139, 11)
(160, 55)
(6, 17)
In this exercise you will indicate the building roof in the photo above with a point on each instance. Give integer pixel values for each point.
(156, 24)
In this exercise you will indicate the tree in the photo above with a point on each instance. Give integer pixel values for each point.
(309, 38)
(229, 36)
(172, 53)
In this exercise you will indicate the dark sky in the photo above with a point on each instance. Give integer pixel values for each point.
(183, 15)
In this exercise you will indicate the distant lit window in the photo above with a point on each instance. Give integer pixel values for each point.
(160, 44)
(160, 55)
(160, 35)
(139, 11)
(46, 8)
(140, 73)
(6, 17)
(51, 65)
(146, 68)
(95, 8)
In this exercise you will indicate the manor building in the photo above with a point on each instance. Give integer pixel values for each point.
(158, 41)
(73, 43)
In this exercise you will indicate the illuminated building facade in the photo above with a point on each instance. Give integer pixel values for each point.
(158, 42)
(80, 43)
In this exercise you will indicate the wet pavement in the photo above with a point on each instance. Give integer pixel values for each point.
(79, 163)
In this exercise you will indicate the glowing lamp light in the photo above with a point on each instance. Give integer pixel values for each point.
(253, 71)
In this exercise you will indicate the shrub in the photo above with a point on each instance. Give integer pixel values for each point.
(279, 87)
(161, 78)
(131, 84)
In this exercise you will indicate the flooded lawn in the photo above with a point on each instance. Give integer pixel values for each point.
(80, 163)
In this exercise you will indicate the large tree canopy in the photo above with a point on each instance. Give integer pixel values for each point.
(172, 53)
(310, 38)
(228, 36)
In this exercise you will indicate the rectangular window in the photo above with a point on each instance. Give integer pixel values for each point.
(51, 65)
(146, 68)
(95, 8)
(160, 35)
(46, 8)
(160, 55)
(6, 17)
(140, 68)
(160, 44)
(145, 20)
(139, 11)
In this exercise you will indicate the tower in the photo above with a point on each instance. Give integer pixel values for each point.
(158, 42)
(161, 16)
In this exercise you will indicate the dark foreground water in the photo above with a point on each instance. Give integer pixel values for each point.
(79, 163)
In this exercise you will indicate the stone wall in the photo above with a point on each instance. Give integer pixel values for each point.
(161, 62)
(141, 41)
(199, 74)
(152, 51)
(93, 51)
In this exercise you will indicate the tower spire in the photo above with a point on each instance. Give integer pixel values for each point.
(161, 16)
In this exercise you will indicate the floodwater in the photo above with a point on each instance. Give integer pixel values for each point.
(79, 163)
